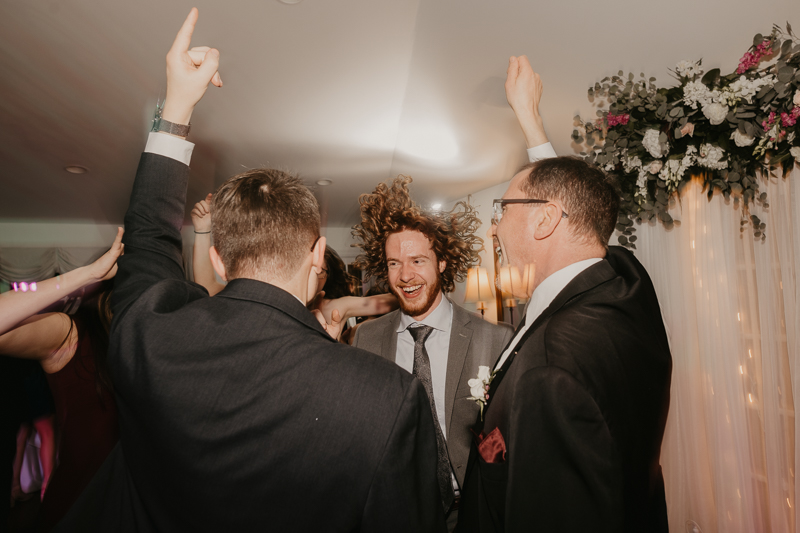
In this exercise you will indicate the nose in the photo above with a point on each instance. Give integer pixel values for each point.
(406, 273)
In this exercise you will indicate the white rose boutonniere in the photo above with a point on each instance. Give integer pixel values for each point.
(479, 387)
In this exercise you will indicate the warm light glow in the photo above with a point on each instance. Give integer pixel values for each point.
(692, 245)
(750, 396)
(750, 352)
(741, 370)
(478, 287)
(436, 206)
(739, 317)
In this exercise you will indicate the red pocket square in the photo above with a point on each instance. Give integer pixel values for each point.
(492, 447)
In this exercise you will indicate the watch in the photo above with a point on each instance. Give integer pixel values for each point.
(162, 124)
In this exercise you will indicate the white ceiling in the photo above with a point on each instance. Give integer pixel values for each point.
(355, 91)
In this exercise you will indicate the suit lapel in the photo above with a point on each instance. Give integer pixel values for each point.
(460, 338)
(587, 280)
(389, 343)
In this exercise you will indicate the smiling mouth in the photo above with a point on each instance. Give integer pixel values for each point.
(412, 290)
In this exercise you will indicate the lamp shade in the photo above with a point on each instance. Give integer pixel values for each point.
(478, 287)
(516, 285)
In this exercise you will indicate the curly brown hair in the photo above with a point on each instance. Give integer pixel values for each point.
(389, 209)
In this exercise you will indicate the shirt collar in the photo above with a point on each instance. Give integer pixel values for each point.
(548, 289)
(438, 319)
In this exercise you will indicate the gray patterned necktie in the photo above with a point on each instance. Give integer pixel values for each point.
(422, 371)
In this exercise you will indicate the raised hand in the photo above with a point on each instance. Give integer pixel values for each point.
(201, 215)
(188, 73)
(524, 92)
(105, 267)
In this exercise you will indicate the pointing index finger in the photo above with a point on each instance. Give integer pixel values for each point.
(184, 37)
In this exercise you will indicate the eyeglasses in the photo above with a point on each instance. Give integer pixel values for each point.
(499, 206)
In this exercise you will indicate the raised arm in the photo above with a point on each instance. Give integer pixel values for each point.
(350, 306)
(201, 262)
(155, 213)
(16, 307)
(524, 92)
(49, 338)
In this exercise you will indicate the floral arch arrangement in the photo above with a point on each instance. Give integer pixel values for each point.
(725, 128)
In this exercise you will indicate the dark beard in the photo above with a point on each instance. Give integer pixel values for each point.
(412, 312)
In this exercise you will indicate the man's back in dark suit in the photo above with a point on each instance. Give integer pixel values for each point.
(239, 412)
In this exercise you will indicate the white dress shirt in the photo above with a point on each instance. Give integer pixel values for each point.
(543, 151)
(169, 146)
(437, 345)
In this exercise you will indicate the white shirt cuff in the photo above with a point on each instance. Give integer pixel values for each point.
(543, 151)
(169, 146)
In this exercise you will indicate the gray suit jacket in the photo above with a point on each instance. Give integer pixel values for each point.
(474, 342)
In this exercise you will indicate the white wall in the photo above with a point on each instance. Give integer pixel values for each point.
(482, 200)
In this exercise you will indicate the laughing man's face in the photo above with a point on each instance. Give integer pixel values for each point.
(414, 272)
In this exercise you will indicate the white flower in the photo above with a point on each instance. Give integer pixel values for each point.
(795, 151)
(715, 113)
(631, 163)
(655, 166)
(711, 156)
(641, 184)
(609, 166)
(477, 388)
(695, 93)
(742, 139)
(484, 373)
(652, 143)
(796, 99)
(688, 69)
(744, 88)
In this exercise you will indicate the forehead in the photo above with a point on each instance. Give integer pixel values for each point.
(515, 186)
(408, 243)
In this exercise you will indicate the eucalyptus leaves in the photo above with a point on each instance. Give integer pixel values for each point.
(724, 128)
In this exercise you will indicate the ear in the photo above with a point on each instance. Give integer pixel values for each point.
(546, 220)
(442, 265)
(318, 255)
(216, 262)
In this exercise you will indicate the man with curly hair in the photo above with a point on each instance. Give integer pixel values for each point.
(420, 256)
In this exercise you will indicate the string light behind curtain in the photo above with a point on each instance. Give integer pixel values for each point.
(732, 309)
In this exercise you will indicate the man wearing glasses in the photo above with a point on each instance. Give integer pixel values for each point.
(576, 407)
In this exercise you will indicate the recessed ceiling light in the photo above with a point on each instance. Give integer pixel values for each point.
(290, 1)
(76, 169)
(436, 206)
(324, 182)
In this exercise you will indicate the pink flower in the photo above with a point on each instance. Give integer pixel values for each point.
(617, 120)
(787, 120)
(751, 59)
(769, 122)
(688, 129)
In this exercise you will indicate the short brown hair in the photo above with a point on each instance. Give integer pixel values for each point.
(389, 209)
(590, 196)
(264, 221)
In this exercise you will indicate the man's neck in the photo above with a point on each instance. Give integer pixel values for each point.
(565, 257)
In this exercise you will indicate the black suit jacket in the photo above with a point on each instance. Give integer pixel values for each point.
(581, 403)
(238, 412)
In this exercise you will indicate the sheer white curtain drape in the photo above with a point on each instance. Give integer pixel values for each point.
(731, 304)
